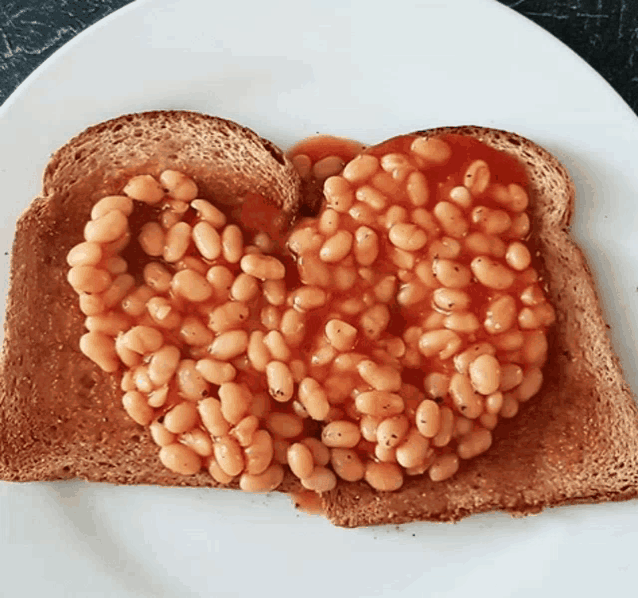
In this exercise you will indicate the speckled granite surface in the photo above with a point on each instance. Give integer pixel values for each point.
(603, 32)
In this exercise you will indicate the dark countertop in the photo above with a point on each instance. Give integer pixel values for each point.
(603, 32)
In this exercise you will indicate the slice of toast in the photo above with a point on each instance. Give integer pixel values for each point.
(574, 442)
(61, 417)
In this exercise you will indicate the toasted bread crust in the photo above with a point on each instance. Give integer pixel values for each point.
(60, 417)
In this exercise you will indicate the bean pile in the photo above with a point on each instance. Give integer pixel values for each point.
(419, 320)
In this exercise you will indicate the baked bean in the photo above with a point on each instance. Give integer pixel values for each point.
(344, 278)
(258, 352)
(436, 385)
(274, 291)
(193, 332)
(488, 420)
(267, 481)
(263, 267)
(137, 408)
(228, 316)
(535, 347)
(276, 345)
(100, 349)
(144, 188)
(405, 260)
(285, 425)
(385, 477)
(444, 467)
(228, 455)
(118, 289)
(244, 431)
(466, 399)
(84, 254)
(362, 213)
(477, 177)
(336, 247)
(308, 297)
(207, 240)
(431, 150)
(463, 360)
(178, 185)
(321, 480)
(393, 216)
(398, 165)
(520, 226)
(134, 304)
(163, 364)
(340, 385)
(339, 194)
(107, 228)
(532, 296)
(329, 222)
(428, 418)
(491, 222)
(366, 247)
(216, 372)
(461, 196)
(445, 343)
(451, 299)
(229, 345)
(191, 285)
(510, 406)
(527, 319)
(485, 374)
(142, 381)
(169, 218)
(392, 431)
(509, 341)
(465, 322)
(379, 403)
(545, 314)
(280, 381)
(151, 239)
(493, 403)
(374, 321)
(157, 277)
(190, 382)
(198, 441)
(359, 169)
(368, 424)
(112, 202)
(217, 473)
(232, 243)
(413, 450)
(300, 460)
(304, 240)
(451, 218)
(313, 271)
(160, 435)
(380, 377)
(500, 315)
(445, 247)
(158, 397)
(293, 327)
(162, 312)
(492, 274)
(386, 183)
(110, 323)
(341, 335)
(178, 238)
(347, 464)
(518, 256)
(91, 305)
(511, 376)
(407, 236)
(245, 288)
(180, 459)
(372, 197)
(303, 165)
(115, 265)
(208, 212)
(210, 410)
(417, 188)
(451, 274)
(181, 418)
(514, 197)
(235, 401)
(530, 384)
(89, 279)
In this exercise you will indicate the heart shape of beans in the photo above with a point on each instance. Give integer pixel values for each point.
(389, 338)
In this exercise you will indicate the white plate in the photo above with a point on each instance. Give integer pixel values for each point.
(366, 70)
